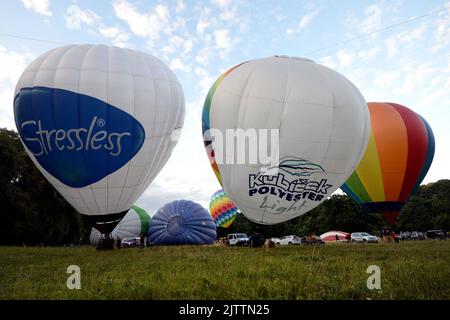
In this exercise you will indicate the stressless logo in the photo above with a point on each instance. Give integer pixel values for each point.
(76, 138)
(291, 183)
(73, 139)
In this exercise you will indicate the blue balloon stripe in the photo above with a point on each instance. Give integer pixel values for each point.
(429, 155)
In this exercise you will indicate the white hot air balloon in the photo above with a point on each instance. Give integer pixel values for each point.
(323, 129)
(99, 122)
(134, 224)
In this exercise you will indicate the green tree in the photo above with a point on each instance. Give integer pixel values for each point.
(33, 212)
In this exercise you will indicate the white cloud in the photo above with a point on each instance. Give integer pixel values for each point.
(392, 46)
(345, 58)
(413, 35)
(416, 75)
(181, 5)
(204, 21)
(223, 39)
(146, 25)
(177, 43)
(228, 14)
(386, 79)
(75, 17)
(118, 37)
(369, 53)
(372, 21)
(222, 3)
(303, 23)
(405, 37)
(38, 6)
(442, 31)
(202, 25)
(177, 64)
(306, 20)
(204, 55)
(206, 81)
(224, 42)
(12, 65)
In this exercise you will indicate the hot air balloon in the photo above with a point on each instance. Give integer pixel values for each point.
(98, 122)
(134, 224)
(398, 156)
(182, 222)
(323, 127)
(222, 209)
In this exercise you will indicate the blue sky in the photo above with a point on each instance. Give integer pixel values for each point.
(408, 63)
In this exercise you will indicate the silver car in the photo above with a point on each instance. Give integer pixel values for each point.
(363, 237)
(289, 240)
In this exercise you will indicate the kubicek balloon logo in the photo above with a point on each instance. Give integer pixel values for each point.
(91, 138)
(291, 182)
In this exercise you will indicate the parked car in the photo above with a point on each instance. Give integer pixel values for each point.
(238, 239)
(412, 235)
(289, 240)
(363, 237)
(437, 234)
(130, 242)
(312, 240)
(416, 235)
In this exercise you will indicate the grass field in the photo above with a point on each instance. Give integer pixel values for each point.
(409, 270)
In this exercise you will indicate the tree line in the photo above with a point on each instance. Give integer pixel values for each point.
(34, 213)
(428, 208)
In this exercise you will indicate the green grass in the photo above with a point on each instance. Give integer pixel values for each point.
(409, 270)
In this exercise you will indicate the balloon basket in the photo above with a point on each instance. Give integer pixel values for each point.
(106, 243)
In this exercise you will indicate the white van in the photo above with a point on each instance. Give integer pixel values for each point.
(238, 239)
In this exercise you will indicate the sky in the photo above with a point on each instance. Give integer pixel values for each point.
(396, 50)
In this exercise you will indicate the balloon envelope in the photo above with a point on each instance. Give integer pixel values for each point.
(398, 156)
(182, 222)
(98, 121)
(322, 123)
(222, 209)
(134, 224)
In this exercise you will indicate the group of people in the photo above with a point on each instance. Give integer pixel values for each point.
(388, 235)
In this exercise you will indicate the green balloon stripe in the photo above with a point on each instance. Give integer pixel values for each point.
(145, 219)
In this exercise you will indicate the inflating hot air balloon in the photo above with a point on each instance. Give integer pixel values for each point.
(182, 222)
(98, 122)
(134, 224)
(222, 209)
(323, 125)
(398, 156)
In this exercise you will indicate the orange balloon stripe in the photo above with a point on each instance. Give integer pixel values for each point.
(391, 139)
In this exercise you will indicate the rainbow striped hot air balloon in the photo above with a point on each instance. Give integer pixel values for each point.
(397, 158)
(222, 209)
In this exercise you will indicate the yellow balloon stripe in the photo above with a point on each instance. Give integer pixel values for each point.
(369, 172)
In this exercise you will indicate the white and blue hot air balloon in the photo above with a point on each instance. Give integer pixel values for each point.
(134, 224)
(99, 122)
(182, 222)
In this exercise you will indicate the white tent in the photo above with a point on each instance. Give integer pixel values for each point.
(335, 236)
